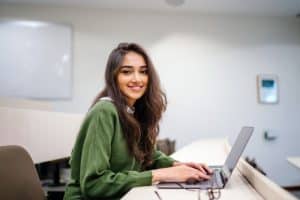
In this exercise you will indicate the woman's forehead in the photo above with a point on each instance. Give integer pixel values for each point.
(133, 59)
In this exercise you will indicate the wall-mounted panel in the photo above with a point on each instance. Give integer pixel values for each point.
(35, 59)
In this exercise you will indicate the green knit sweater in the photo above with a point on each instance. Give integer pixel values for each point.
(101, 166)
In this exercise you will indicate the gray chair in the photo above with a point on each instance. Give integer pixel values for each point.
(166, 146)
(18, 177)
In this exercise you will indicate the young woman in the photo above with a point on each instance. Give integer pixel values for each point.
(115, 148)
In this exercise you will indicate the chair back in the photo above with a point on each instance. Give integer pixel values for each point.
(18, 176)
(166, 146)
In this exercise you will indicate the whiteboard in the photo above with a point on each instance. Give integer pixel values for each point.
(35, 59)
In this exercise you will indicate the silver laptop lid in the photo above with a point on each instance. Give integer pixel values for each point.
(236, 151)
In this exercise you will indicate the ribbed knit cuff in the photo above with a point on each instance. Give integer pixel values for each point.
(167, 162)
(145, 178)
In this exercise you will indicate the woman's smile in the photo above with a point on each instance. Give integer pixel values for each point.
(136, 88)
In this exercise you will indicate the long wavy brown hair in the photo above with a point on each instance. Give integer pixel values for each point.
(140, 129)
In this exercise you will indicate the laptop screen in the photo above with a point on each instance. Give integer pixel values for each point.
(237, 150)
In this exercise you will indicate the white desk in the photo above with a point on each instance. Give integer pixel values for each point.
(237, 187)
(214, 152)
(295, 161)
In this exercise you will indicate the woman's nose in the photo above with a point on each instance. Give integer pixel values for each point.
(136, 77)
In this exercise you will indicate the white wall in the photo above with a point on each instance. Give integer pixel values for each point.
(208, 67)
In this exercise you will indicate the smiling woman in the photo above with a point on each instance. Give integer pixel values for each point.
(115, 148)
(132, 77)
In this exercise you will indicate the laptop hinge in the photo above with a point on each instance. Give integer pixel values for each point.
(223, 177)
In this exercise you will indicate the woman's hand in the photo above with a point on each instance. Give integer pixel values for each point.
(180, 172)
(200, 166)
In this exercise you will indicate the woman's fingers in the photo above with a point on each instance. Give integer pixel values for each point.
(204, 176)
(204, 171)
(196, 166)
(202, 167)
(207, 169)
(199, 174)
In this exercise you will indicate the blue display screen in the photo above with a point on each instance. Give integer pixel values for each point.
(267, 83)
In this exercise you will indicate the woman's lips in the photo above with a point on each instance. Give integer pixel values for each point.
(136, 88)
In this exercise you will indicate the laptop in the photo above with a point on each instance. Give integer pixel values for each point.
(221, 174)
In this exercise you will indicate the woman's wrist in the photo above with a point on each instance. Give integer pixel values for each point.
(158, 175)
(176, 163)
(155, 176)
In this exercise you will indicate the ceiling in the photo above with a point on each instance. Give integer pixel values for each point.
(206, 7)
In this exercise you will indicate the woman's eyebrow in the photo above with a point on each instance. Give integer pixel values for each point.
(126, 66)
(129, 66)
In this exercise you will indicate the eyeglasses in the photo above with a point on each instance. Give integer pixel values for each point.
(213, 194)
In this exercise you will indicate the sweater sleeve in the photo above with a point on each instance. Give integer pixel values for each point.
(161, 160)
(97, 180)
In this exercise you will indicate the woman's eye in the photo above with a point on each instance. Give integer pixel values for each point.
(144, 71)
(125, 71)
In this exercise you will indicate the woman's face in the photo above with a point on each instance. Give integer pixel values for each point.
(132, 77)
